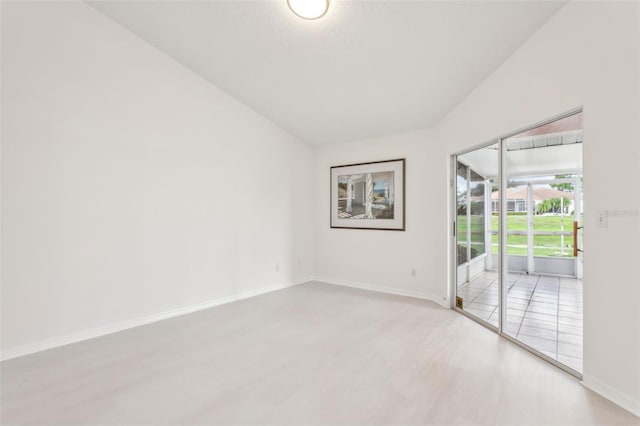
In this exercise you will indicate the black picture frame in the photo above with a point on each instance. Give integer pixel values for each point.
(368, 195)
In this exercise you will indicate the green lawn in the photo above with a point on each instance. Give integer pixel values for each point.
(544, 245)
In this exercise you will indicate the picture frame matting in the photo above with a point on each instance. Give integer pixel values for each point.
(368, 195)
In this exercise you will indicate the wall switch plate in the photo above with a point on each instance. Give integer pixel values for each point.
(603, 219)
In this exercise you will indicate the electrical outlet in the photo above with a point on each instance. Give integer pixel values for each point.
(413, 272)
(277, 267)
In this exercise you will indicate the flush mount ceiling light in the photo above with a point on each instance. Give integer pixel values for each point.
(309, 9)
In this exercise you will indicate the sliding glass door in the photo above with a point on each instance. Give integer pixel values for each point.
(518, 222)
(477, 291)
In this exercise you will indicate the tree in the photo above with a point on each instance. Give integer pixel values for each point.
(565, 187)
(553, 205)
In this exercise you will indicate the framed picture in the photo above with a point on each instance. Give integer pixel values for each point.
(368, 195)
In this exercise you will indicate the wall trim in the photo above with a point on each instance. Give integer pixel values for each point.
(606, 391)
(384, 289)
(92, 333)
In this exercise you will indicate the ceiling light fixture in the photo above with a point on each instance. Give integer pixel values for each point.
(309, 9)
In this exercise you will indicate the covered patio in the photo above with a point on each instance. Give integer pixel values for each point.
(544, 312)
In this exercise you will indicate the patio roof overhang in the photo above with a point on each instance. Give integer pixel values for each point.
(535, 155)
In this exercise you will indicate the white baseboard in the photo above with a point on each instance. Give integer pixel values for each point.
(613, 395)
(55, 342)
(383, 289)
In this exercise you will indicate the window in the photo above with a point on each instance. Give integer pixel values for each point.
(470, 207)
(477, 213)
(462, 189)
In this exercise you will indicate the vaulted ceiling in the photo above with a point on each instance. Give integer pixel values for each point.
(366, 69)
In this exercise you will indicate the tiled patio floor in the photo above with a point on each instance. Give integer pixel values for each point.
(544, 312)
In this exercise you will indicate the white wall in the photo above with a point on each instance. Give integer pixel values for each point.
(382, 260)
(585, 55)
(130, 186)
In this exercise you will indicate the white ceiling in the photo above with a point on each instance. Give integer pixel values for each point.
(366, 69)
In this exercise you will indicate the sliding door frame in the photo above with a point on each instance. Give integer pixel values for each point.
(454, 235)
(503, 267)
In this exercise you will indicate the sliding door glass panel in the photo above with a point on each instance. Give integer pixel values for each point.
(542, 290)
(462, 190)
(477, 214)
(476, 263)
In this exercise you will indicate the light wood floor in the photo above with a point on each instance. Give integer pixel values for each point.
(310, 354)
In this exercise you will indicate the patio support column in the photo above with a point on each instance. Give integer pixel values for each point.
(530, 204)
(577, 201)
(577, 210)
(562, 226)
(488, 215)
(468, 222)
